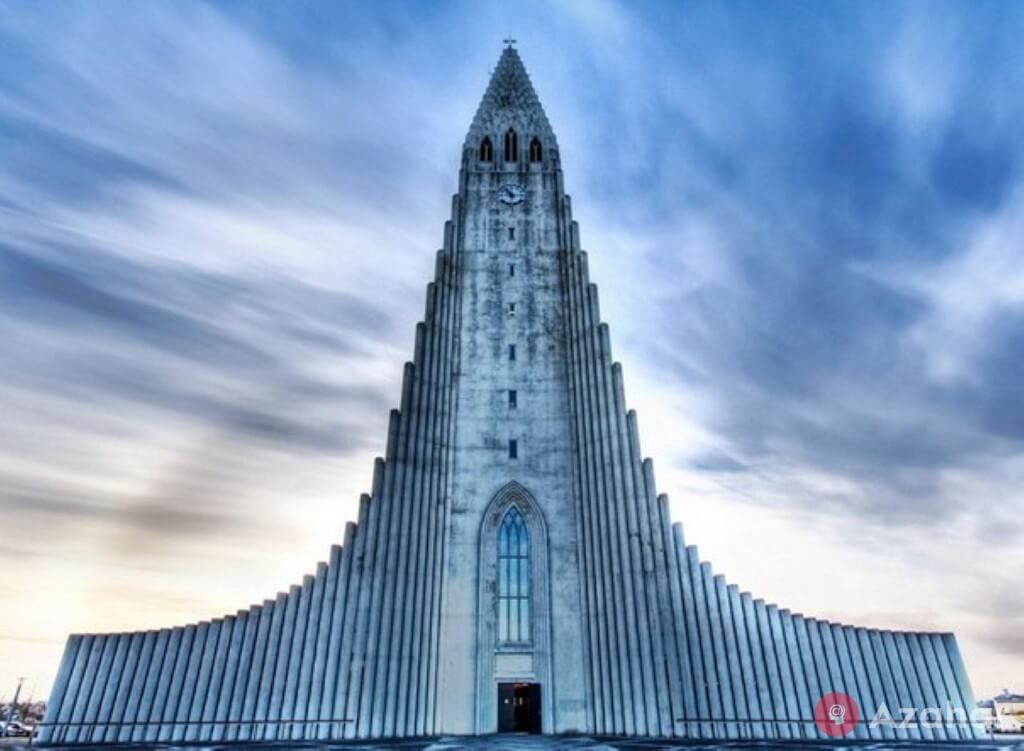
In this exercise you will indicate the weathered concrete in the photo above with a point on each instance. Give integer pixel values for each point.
(395, 634)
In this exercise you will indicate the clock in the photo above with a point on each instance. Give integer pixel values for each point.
(511, 193)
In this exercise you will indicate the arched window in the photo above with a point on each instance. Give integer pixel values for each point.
(513, 579)
(486, 150)
(535, 153)
(511, 146)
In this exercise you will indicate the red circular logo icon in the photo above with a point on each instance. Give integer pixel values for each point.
(836, 714)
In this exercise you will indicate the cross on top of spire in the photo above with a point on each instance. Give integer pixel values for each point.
(510, 102)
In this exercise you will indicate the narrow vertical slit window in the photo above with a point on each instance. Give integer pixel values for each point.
(513, 449)
(513, 579)
(511, 269)
(513, 401)
(511, 233)
(511, 308)
(486, 150)
(511, 353)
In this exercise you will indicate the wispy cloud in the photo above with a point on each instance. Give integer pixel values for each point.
(217, 223)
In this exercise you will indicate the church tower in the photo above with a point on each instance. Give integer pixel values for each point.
(513, 572)
(513, 567)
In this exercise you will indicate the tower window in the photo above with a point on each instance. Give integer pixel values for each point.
(513, 578)
(513, 449)
(511, 269)
(536, 154)
(511, 353)
(511, 308)
(511, 233)
(513, 401)
(511, 146)
(486, 150)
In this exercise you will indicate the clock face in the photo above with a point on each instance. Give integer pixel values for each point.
(511, 194)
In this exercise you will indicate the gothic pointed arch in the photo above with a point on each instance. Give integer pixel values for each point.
(511, 146)
(513, 515)
(536, 152)
(486, 150)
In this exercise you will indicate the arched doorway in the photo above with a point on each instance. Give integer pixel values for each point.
(513, 616)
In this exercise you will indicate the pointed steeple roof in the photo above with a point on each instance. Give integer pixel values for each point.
(510, 102)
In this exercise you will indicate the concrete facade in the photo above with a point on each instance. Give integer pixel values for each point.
(512, 400)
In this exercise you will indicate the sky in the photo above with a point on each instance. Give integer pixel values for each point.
(217, 222)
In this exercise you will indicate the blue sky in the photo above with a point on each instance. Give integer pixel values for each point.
(217, 222)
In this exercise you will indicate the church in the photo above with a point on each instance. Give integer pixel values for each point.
(513, 567)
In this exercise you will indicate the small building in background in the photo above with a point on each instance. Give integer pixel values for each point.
(1003, 713)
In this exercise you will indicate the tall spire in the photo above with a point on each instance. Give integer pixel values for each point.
(510, 102)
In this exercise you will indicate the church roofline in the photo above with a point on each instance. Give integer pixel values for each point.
(510, 101)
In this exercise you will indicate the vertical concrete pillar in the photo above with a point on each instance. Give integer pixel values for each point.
(903, 696)
(59, 695)
(334, 677)
(776, 714)
(358, 593)
(810, 673)
(125, 687)
(191, 683)
(114, 673)
(917, 695)
(716, 629)
(133, 713)
(736, 705)
(328, 608)
(289, 730)
(698, 573)
(211, 715)
(874, 686)
(888, 679)
(849, 674)
(308, 662)
(156, 641)
(283, 666)
(698, 658)
(87, 700)
(603, 689)
(678, 647)
(264, 615)
(801, 710)
(202, 689)
(748, 681)
(225, 697)
(931, 710)
(765, 711)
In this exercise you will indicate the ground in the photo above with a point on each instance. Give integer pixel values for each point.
(556, 743)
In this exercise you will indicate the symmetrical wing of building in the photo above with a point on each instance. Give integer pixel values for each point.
(513, 566)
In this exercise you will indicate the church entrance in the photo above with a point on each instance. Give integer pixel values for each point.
(518, 707)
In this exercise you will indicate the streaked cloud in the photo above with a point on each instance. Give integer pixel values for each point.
(217, 222)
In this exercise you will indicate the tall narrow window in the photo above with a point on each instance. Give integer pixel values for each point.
(511, 353)
(513, 400)
(486, 150)
(511, 308)
(536, 154)
(513, 579)
(511, 269)
(511, 233)
(511, 146)
(513, 449)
